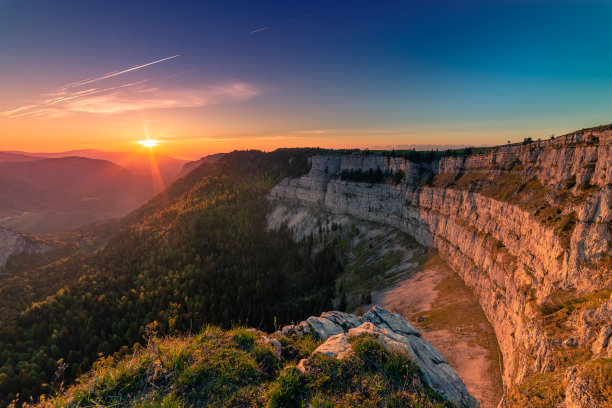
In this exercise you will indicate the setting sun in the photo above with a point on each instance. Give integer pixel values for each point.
(149, 143)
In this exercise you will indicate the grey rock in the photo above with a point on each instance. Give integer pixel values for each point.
(603, 342)
(274, 343)
(425, 350)
(303, 326)
(323, 327)
(345, 320)
(394, 333)
(288, 330)
(383, 318)
(336, 346)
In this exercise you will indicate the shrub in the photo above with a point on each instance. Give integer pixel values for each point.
(287, 391)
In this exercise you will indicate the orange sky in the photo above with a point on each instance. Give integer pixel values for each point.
(188, 139)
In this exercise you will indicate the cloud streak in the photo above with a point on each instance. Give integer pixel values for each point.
(259, 30)
(82, 97)
(155, 98)
(136, 96)
(289, 21)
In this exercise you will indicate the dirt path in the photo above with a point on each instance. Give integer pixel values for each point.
(453, 322)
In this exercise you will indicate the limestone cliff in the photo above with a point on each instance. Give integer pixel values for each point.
(528, 227)
(13, 243)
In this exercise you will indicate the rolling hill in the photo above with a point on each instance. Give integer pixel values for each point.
(47, 195)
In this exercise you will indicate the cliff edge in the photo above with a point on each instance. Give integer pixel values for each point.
(337, 359)
(527, 227)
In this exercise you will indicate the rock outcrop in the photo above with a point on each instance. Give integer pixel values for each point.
(13, 242)
(523, 225)
(394, 333)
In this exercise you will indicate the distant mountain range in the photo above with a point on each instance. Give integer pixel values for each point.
(137, 163)
(47, 195)
(49, 192)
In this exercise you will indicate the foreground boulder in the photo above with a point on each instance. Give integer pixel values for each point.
(394, 333)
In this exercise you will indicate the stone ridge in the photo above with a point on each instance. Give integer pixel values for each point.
(394, 333)
(13, 242)
(513, 261)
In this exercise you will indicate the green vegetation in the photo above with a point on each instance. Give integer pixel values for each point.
(538, 391)
(373, 256)
(372, 176)
(566, 226)
(547, 390)
(199, 253)
(563, 300)
(360, 176)
(238, 368)
(562, 307)
(429, 156)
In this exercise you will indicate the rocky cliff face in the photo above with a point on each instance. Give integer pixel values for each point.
(392, 332)
(12, 242)
(528, 227)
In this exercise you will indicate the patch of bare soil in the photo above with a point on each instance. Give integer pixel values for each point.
(451, 320)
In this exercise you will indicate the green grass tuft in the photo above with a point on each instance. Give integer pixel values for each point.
(237, 368)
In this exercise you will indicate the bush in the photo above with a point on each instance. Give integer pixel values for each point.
(287, 391)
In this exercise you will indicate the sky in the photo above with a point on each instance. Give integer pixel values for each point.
(213, 76)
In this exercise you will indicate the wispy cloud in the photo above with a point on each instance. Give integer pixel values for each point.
(259, 29)
(82, 97)
(155, 98)
(332, 131)
(135, 97)
(235, 138)
(318, 131)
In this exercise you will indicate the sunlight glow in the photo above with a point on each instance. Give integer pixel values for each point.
(150, 143)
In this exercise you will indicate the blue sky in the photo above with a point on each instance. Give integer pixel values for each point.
(332, 73)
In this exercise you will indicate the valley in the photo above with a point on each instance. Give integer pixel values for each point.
(485, 254)
(437, 302)
(522, 225)
(386, 267)
(305, 204)
(50, 192)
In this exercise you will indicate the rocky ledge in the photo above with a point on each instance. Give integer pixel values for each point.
(394, 333)
(13, 243)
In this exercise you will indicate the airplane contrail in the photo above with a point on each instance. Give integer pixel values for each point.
(113, 74)
(259, 29)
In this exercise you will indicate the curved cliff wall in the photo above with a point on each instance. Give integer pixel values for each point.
(519, 224)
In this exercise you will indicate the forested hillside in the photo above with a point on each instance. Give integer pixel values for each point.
(198, 253)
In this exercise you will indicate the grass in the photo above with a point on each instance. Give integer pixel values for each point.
(237, 368)
(538, 391)
(565, 300)
(371, 377)
(559, 308)
(547, 390)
